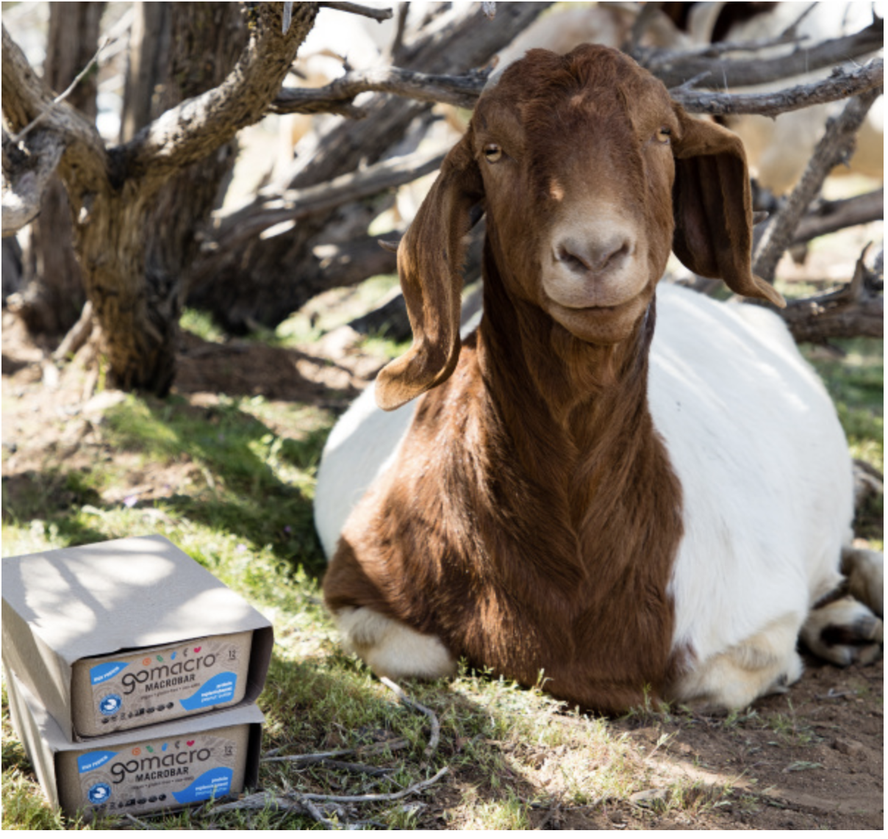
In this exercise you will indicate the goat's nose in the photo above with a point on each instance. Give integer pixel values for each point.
(594, 257)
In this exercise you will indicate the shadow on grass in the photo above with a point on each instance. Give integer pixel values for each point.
(245, 479)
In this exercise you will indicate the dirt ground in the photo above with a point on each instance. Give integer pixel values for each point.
(812, 758)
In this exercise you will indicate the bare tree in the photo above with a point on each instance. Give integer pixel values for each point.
(113, 191)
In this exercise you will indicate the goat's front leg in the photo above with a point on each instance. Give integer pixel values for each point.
(764, 663)
(392, 648)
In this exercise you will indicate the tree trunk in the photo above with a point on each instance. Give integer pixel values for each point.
(180, 51)
(207, 39)
(147, 68)
(53, 296)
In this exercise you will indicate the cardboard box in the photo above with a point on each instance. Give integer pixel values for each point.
(164, 767)
(127, 633)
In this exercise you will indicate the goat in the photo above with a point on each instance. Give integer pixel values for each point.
(574, 495)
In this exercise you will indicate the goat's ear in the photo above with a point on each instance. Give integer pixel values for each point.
(430, 266)
(712, 202)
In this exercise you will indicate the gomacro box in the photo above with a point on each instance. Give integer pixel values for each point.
(154, 684)
(166, 766)
(128, 633)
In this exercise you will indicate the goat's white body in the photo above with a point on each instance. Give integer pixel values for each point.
(765, 474)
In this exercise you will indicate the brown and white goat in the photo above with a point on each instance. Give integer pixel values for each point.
(574, 495)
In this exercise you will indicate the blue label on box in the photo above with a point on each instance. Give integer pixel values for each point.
(107, 670)
(215, 691)
(109, 705)
(212, 784)
(93, 760)
(99, 793)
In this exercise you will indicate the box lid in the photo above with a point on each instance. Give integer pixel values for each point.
(124, 593)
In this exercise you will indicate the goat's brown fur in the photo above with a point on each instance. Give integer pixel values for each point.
(532, 517)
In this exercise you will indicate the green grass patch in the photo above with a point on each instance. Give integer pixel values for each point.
(854, 378)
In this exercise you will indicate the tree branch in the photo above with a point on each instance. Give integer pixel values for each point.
(119, 29)
(358, 9)
(461, 91)
(831, 216)
(26, 97)
(196, 127)
(834, 147)
(294, 204)
(24, 185)
(841, 84)
(852, 310)
(675, 69)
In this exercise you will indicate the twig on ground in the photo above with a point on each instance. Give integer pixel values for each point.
(390, 745)
(378, 796)
(297, 801)
(357, 768)
(406, 700)
(834, 695)
(317, 815)
(138, 822)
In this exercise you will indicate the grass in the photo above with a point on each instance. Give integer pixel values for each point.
(239, 479)
(854, 377)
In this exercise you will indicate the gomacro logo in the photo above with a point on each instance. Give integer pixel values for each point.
(165, 672)
(151, 767)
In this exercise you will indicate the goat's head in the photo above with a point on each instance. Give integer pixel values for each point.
(589, 175)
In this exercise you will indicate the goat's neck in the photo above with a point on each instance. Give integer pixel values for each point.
(561, 400)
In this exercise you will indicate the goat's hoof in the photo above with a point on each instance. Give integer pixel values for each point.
(844, 632)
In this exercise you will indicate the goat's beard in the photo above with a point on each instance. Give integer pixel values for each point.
(595, 365)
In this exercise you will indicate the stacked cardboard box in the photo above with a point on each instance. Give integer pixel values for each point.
(132, 674)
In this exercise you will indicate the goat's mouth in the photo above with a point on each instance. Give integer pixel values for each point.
(599, 324)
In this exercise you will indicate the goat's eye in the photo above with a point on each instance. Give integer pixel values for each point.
(492, 152)
(664, 136)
